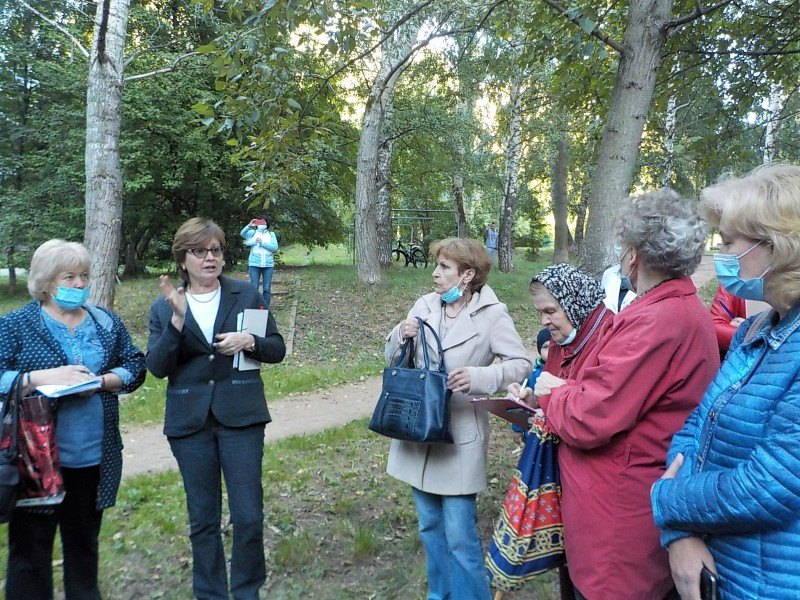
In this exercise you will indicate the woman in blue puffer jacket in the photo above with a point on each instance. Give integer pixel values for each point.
(730, 499)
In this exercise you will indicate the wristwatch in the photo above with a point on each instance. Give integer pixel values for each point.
(252, 347)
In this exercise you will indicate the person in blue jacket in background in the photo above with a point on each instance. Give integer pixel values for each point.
(542, 347)
(263, 244)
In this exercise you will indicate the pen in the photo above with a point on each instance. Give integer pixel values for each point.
(727, 310)
(522, 386)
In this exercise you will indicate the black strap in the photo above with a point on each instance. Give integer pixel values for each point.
(13, 399)
(408, 347)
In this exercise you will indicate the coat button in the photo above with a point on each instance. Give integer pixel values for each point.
(210, 382)
(211, 357)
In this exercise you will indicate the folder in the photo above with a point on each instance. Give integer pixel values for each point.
(57, 391)
(251, 320)
(509, 408)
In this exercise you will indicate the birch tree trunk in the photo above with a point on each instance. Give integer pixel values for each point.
(505, 239)
(393, 62)
(103, 172)
(669, 141)
(458, 177)
(771, 130)
(384, 201)
(561, 239)
(643, 42)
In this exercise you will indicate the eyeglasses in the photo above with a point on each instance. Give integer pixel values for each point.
(216, 251)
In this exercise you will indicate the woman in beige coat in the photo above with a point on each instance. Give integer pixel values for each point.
(483, 354)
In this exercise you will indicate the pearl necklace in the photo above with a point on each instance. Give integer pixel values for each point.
(196, 299)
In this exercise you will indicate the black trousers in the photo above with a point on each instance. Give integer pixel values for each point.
(31, 536)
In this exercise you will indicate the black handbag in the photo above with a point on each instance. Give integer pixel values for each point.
(414, 405)
(9, 454)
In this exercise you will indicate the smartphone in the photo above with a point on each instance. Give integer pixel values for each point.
(709, 584)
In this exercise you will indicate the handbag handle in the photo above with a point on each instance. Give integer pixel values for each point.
(16, 390)
(407, 344)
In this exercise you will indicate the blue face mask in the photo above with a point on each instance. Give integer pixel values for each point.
(261, 227)
(454, 294)
(570, 338)
(70, 298)
(727, 268)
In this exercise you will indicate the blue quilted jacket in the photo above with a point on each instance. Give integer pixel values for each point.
(739, 487)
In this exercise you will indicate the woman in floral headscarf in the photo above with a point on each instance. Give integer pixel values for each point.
(570, 305)
(617, 412)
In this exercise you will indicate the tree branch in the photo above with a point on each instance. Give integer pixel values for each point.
(595, 33)
(699, 11)
(72, 38)
(169, 69)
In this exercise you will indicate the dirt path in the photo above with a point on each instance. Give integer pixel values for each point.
(147, 450)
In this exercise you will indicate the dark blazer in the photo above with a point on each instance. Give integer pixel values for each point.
(200, 379)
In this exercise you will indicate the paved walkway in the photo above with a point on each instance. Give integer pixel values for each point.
(147, 450)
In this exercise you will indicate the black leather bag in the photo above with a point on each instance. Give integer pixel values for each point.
(414, 405)
(9, 454)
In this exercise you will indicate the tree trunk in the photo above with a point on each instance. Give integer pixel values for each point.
(669, 141)
(384, 196)
(103, 173)
(560, 202)
(458, 174)
(771, 130)
(580, 221)
(645, 35)
(505, 239)
(393, 63)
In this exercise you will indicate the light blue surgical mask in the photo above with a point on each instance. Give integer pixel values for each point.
(454, 293)
(727, 268)
(570, 338)
(70, 298)
(261, 227)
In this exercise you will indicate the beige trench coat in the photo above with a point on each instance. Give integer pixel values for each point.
(482, 333)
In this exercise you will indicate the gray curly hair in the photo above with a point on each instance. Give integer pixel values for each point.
(667, 231)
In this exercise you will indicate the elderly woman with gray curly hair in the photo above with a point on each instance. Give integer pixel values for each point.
(616, 414)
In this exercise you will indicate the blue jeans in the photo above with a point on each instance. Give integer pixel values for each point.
(265, 274)
(236, 452)
(448, 526)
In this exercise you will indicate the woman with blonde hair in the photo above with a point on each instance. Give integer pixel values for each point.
(483, 354)
(59, 338)
(730, 500)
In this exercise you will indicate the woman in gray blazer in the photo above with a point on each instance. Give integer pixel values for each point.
(483, 355)
(215, 415)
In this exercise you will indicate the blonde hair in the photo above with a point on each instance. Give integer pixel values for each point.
(469, 254)
(193, 234)
(764, 205)
(50, 259)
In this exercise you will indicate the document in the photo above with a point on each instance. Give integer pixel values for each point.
(253, 321)
(57, 391)
(509, 408)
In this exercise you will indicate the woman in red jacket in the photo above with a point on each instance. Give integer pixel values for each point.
(617, 413)
(727, 313)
